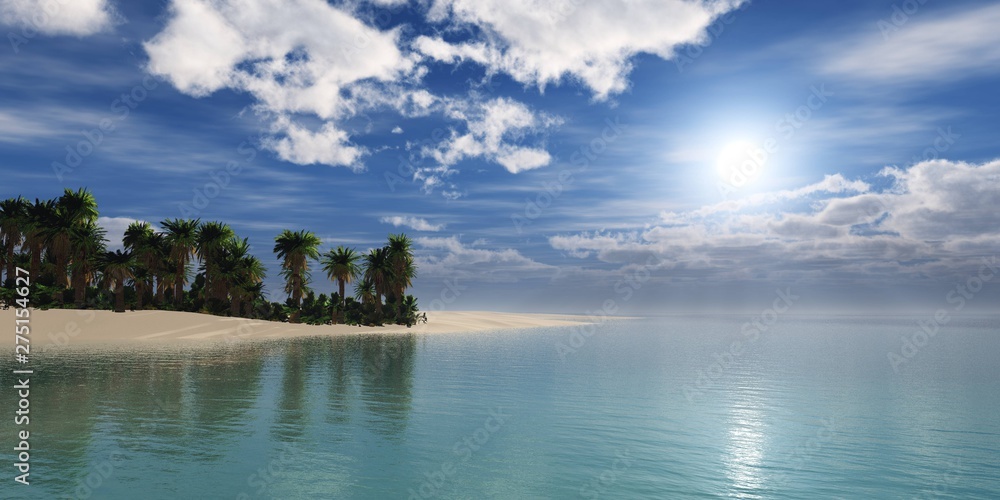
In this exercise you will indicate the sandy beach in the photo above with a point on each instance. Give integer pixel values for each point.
(61, 327)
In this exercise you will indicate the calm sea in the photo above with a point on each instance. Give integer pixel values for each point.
(675, 407)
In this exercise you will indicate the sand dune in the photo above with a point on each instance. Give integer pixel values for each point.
(59, 328)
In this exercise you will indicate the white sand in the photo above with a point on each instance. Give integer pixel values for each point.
(82, 328)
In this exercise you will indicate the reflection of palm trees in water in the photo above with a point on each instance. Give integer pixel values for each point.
(182, 406)
(200, 400)
(222, 388)
(291, 418)
(379, 367)
(387, 380)
(66, 410)
(339, 380)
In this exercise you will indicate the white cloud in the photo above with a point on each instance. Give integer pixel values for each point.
(937, 221)
(397, 130)
(927, 46)
(494, 130)
(415, 223)
(328, 145)
(312, 67)
(831, 184)
(296, 57)
(63, 17)
(541, 43)
(449, 257)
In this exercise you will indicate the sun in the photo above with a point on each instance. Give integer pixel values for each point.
(740, 163)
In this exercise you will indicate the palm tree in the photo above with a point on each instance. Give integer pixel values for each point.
(160, 266)
(37, 217)
(182, 237)
(211, 238)
(117, 268)
(138, 240)
(72, 210)
(403, 269)
(378, 271)
(408, 311)
(295, 249)
(87, 246)
(341, 264)
(13, 212)
(240, 273)
(364, 291)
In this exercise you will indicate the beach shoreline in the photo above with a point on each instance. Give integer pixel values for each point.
(57, 328)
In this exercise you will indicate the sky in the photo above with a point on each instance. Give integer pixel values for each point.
(621, 156)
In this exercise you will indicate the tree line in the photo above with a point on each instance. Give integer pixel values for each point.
(194, 266)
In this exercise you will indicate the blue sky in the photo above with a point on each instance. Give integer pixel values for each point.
(667, 156)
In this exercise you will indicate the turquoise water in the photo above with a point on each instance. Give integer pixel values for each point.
(662, 408)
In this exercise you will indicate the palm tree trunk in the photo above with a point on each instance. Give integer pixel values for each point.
(79, 290)
(179, 284)
(297, 289)
(158, 295)
(140, 290)
(62, 275)
(36, 259)
(343, 301)
(10, 262)
(402, 307)
(119, 298)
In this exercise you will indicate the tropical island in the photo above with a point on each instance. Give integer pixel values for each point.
(191, 266)
(65, 251)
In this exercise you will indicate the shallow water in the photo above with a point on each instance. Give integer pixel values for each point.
(660, 408)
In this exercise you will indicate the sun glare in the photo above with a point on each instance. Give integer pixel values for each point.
(740, 163)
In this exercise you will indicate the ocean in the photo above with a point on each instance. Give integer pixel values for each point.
(667, 407)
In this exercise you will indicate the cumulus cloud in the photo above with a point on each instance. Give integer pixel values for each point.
(66, 17)
(493, 130)
(312, 67)
(923, 46)
(296, 57)
(937, 220)
(415, 223)
(541, 43)
(449, 257)
(327, 146)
